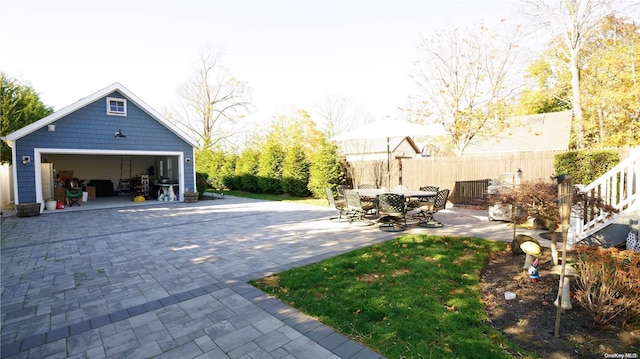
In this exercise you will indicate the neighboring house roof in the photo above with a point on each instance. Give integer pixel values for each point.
(540, 132)
(376, 149)
(95, 97)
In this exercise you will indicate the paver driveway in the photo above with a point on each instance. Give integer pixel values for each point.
(168, 281)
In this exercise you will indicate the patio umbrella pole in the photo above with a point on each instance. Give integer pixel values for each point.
(388, 166)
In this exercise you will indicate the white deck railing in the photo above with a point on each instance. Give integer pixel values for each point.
(619, 188)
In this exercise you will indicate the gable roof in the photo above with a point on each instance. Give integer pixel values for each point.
(95, 97)
(378, 146)
(540, 132)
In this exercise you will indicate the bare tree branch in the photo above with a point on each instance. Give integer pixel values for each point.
(214, 101)
(463, 75)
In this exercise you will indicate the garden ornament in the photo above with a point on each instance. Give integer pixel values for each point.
(531, 249)
(533, 271)
(569, 272)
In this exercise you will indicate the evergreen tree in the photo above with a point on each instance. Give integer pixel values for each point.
(228, 169)
(247, 170)
(270, 166)
(295, 171)
(325, 170)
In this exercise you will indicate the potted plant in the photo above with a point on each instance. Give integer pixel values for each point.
(50, 204)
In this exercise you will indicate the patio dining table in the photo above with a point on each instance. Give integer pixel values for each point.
(372, 193)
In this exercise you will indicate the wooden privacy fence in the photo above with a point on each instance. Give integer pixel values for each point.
(469, 191)
(467, 176)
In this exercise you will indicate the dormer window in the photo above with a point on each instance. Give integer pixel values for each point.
(116, 106)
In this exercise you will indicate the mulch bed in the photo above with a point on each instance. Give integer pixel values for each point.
(529, 320)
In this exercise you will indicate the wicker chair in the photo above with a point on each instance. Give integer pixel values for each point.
(392, 211)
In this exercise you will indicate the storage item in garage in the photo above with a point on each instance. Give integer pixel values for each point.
(103, 187)
(60, 194)
(91, 190)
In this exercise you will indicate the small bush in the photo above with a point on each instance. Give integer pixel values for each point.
(608, 285)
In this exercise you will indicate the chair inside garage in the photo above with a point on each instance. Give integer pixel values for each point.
(74, 196)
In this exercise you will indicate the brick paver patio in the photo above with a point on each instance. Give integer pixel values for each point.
(169, 280)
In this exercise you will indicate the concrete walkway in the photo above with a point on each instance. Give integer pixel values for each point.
(170, 280)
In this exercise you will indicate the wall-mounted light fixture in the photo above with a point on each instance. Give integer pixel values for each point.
(51, 128)
(187, 160)
(119, 134)
(26, 160)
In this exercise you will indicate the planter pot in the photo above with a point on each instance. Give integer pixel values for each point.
(28, 209)
(50, 205)
(191, 197)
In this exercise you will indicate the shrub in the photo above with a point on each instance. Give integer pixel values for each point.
(608, 283)
(535, 199)
(231, 182)
(249, 183)
(269, 185)
(586, 165)
(201, 183)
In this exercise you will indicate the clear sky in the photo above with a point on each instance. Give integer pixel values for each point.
(292, 53)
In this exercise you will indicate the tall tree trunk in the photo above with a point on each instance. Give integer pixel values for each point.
(576, 102)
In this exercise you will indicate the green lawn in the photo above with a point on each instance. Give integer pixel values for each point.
(276, 197)
(413, 297)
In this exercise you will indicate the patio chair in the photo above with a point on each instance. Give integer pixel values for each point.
(392, 211)
(357, 211)
(430, 188)
(341, 189)
(339, 205)
(413, 204)
(368, 201)
(429, 209)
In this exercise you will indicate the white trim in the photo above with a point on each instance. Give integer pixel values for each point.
(116, 113)
(193, 162)
(37, 160)
(15, 173)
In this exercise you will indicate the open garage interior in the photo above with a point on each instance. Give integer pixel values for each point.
(109, 177)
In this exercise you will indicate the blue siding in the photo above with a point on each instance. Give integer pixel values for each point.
(91, 128)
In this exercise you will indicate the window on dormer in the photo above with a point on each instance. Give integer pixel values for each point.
(116, 106)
